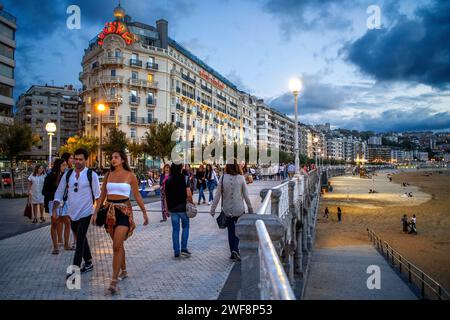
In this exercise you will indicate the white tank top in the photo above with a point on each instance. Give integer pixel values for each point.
(120, 189)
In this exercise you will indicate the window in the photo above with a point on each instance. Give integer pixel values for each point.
(134, 75)
(6, 51)
(134, 56)
(134, 96)
(118, 53)
(113, 91)
(113, 72)
(151, 60)
(133, 115)
(133, 132)
(6, 31)
(149, 116)
(6, 71)
(150, 77)
(112, 112)
(110, 54)
(172, 118)
(6, 91)
(150, 98)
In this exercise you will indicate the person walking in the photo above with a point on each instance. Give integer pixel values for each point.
(405, 223)
(68, 157)
(178, 193)
(162, 181)
(412, 225)
(78, 189)
(35, 185)
(291, 170)
(200, 175)
(211, 182)
(339, 214)
(325, 214)
(233, 191)
(187, 171)
(61, 218)
(119, 183)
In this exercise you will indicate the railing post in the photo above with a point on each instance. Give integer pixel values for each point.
(400, 263)
(423, 285)
(293, 243)
(440, 292)
(409, 272)
(392, 256)
(249, 251)
(275, 201)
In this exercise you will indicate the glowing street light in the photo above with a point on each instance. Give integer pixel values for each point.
(51, 129)
(295, 85)
(100, 107)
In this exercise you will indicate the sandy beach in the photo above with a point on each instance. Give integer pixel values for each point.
(382, 211)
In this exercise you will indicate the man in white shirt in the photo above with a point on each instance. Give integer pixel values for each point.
(80, 194)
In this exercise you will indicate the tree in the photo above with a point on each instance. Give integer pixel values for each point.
(76, 142)
(286, 157)
(116, 140)
(14, 140)
(158, 140)
(135, 149)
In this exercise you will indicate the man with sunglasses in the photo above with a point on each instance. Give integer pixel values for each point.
(79, 191)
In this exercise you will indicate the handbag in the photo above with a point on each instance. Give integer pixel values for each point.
(28, 211)
(222, 219)
(101, 216)
(191, 210)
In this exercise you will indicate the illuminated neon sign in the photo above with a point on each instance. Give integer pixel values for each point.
(211, 80)
(118, 28)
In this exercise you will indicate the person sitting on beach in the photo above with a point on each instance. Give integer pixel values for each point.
(410, 195)
(405, 223)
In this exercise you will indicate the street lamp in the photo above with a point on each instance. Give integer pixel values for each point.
(100, 107)
(51, 129)
(315, 140)
(295, 85)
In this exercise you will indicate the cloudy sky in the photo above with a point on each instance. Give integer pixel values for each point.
(393, 78)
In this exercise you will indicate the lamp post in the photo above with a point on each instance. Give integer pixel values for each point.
(295, 85)
(51, 129)
(100, 107)
(315, 149)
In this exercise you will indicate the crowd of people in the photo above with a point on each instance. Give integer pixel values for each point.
(71, 194)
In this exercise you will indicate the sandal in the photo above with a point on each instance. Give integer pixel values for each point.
(113, 287)
(123, 275)
(72, 248)
(35, 220)
(55, 251)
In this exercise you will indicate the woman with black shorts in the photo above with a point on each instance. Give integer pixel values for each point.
(119, 183)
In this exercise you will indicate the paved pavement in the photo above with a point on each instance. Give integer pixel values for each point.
(340, 274)
(29, 271)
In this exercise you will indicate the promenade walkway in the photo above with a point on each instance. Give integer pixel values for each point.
(339, 273)
(29, 271)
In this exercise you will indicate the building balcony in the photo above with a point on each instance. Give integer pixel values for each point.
(188, 79)
(200, 114)
(113, 98)
(221, 97)
(135, 63)
(188, 94)
(152, 66)
(141, 120)
(142, 83)
(206, 89)
(111, 61)
(151, 103)
(134, 100)
(107, 120)
(95, 66)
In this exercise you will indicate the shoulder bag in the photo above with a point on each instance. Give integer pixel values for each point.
(191, 209)
(222, 219)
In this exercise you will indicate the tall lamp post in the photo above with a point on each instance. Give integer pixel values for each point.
(295, 85)
(51, 129)
(315, 149)
(100, 107)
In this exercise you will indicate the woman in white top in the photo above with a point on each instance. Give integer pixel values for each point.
(118, 185)
(36, 183)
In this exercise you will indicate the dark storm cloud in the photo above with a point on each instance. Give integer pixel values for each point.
(315, 97)
(415, 49)
(416, 119)
(306, 15)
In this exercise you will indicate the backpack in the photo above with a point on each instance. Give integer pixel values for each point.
(66, 191)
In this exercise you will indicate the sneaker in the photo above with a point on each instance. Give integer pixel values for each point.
(235, 256)
(185, 253)
(176, 255)
(87, 266)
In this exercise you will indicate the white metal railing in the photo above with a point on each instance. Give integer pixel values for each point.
(274, 284)
(266, 207)
(283, 204)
